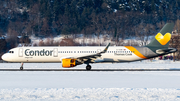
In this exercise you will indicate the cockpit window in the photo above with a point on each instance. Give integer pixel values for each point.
(10, 51)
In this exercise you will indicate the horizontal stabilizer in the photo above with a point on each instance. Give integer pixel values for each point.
(163, 51)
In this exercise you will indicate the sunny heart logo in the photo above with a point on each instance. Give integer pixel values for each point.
(163, 40)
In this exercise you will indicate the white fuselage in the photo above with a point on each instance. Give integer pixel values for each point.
(56, 54)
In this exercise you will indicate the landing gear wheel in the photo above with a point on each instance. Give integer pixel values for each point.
(21, 68)
(88, 67)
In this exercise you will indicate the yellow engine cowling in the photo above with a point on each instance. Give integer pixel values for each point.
(67, 63)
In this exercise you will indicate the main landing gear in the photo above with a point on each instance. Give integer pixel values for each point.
(21, 68)
(88, 67)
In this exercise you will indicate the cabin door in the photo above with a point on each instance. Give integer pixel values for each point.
(20, 52)
(55, 52)
(146, 53)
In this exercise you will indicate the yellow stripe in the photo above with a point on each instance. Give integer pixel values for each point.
(135, 51)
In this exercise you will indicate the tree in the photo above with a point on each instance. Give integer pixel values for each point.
(153, 6)
(45, 29)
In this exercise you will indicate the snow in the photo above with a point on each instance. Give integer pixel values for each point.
(102, 39)
(91, 85)
(90, 94)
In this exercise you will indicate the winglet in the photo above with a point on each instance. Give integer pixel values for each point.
(105, 50)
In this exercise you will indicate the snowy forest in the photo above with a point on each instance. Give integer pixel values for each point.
(118, 19)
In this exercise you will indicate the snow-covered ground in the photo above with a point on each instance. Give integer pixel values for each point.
(91, 85)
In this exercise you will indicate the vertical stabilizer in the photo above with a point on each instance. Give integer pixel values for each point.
(162, 39)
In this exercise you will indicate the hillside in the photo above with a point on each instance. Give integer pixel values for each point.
(119, 18)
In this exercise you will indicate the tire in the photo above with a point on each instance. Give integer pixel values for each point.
(88, 67)
(21, 68)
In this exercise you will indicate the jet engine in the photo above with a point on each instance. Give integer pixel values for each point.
(67, 63)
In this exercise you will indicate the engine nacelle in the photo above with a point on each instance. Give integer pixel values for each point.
(67, 63)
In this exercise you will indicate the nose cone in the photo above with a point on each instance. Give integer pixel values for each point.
(4, 57)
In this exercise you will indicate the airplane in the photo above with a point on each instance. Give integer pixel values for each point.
(73, 56)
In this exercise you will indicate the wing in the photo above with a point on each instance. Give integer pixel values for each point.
(91, 58)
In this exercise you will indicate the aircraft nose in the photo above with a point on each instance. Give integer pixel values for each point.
(4, 57)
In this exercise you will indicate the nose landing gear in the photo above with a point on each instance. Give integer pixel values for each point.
(88, 67)
(21, 68)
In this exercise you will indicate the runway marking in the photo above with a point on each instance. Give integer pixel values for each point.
(91, 70)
